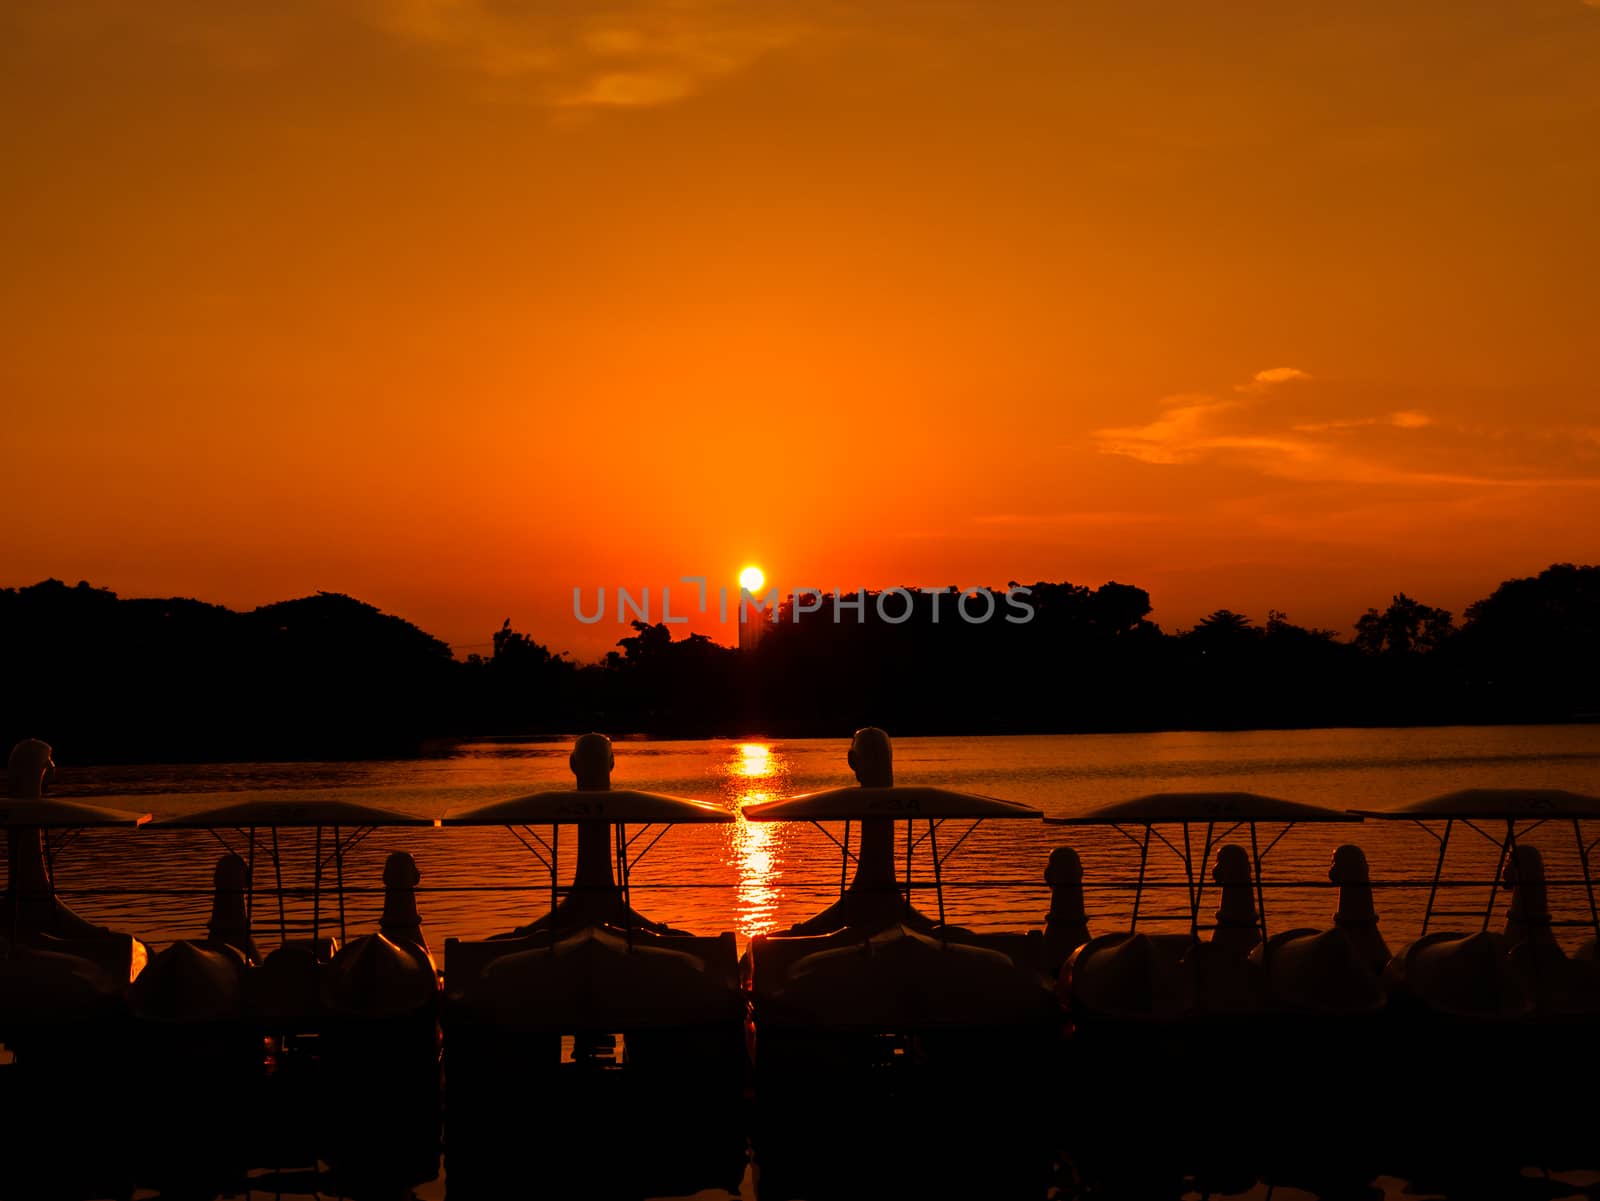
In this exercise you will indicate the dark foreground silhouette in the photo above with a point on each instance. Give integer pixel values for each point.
(326, 676)
(1084, 1063)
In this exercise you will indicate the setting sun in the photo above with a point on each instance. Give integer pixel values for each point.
(751, 579)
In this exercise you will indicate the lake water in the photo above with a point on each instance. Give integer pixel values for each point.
(753, 877)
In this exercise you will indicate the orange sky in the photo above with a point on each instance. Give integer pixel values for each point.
(453, 305)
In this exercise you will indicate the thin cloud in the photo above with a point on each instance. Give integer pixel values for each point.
(1406, 419)
(1091, 517)
(572, 55)
(1179, 435)
(1271, 377)
(1259, 433)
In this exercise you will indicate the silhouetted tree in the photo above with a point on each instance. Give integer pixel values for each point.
(1532, 647)
(175, 679)
(521, 689)
(1404, 628)
(329, 676)
(1224, 628)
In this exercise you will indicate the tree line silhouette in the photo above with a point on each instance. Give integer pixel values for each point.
(327, 676)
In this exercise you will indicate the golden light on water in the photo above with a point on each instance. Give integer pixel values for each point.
(755, 761)
(756, 772)
(752, 578)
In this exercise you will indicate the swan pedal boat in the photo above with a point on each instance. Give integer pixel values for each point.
(885, 978)
(306, 985)
(1507, 1012)
(61, 977)
(592, 966)
(1196, 1030)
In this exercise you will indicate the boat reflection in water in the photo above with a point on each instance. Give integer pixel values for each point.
(603, 1045)
(1506, 1013)
(316, 1052)
(875, 1016)
(327, 1048)
(1179, 1043)
(63, 1016)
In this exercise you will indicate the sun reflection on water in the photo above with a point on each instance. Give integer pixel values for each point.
(756, 772)
(755, 761)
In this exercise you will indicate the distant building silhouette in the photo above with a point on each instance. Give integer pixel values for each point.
(753, 622)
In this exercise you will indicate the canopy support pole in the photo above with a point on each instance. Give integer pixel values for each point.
(622, 870)
(316, 886)
(1200, 879)
(277, 875)
(1138, 893)
(844, 859)
(1261, 897)
(1588, 880)
(1188, 871)
(338, 875)
(1438, 871)
(938, 880)
(908, 865)
(1507, 846)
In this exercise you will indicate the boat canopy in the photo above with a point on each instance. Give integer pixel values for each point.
(53, 814)
(567, 806)
(1229, 810)
(904, 802)
(1534, 807)
(1210, 807)
(1506, 804)
(350, 821)
(276, 812)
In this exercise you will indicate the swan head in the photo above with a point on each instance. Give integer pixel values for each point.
(1349, 866)
(1064, 867)
(1524, 866)
(872, 758)
(400, 871)
(1233, 865)
(29, 769)
(592, 760)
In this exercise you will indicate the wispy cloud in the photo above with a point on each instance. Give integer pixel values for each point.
(1272, 376)
(1180, 435)
(1406, 419)
(1082, 517)
(574, 54)
(1259, 432)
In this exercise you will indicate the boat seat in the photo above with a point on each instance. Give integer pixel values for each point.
(1138, 977)
(120, 956)
(771, 957)
(1225, 979)
(288, 982)
(40, 986)
(1559, 985)
(596, 978)
(190, 983)
(895, 979)
(465, 959)
(1461, 975)
(374, 976)
(1310, 971)
(1025, 949)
